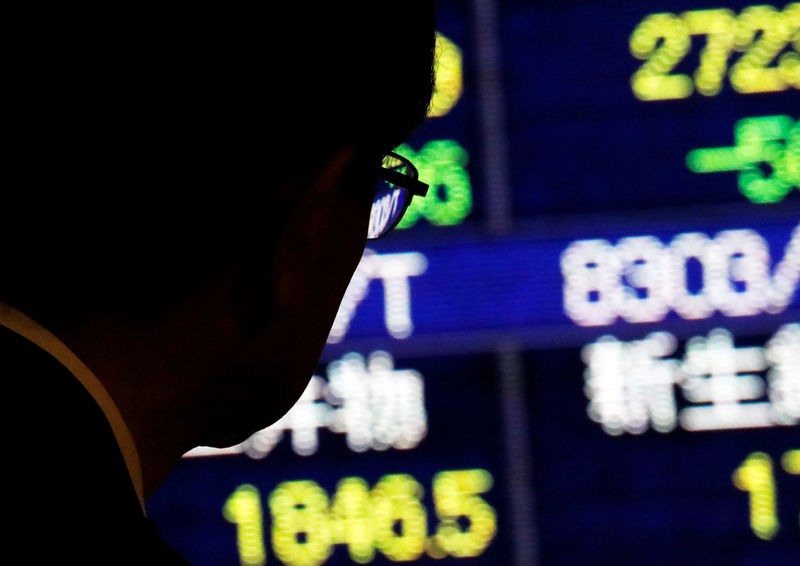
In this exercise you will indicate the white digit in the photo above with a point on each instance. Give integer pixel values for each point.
(786, 275)
(643, 260)
(692, 245)
(740, 288)
(592, 288)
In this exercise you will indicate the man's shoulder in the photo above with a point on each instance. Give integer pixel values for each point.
(69, 490)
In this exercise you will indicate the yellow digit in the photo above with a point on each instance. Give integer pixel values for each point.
(350, 519)
(755, 476)
(717, 25)
(399, 519)
(447, 74)
(454, 494)
(791, 461)
(751, 73)
(789, 63)
(663, 40)
(300, 531)
(243, 507)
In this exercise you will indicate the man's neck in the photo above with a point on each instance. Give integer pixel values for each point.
(31, 330)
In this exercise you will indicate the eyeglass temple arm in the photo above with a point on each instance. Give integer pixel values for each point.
(414, 186)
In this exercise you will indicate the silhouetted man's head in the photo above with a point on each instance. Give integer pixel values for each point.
(144, 143)
(187, 190)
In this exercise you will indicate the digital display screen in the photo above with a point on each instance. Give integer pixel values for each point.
(583, 346)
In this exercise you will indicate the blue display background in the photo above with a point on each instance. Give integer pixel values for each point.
(652, 499)
(477, 287)
(585, 159)
(464, 432)
(581, 142)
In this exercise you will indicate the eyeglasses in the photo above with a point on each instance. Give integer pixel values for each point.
(397, 185)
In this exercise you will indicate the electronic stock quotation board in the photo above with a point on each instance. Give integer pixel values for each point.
(583, 347)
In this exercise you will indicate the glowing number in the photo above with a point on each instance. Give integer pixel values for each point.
(447, 73)
(767, 142)
(751, 72)
(788, 168)
(682, 249)
(441, 164)
(399, 519)
(243, 507)
(789, 63)
(645, 298)
(755, 476)
(741, 289)
(300, 531)
(454, 494)
(641, 280)
(663, 40)
(592, 290)
(350, 519)
(761, 32)
(717, 25)
(791, 461)
(761, 141)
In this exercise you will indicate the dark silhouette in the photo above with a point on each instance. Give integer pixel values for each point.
(186, 196)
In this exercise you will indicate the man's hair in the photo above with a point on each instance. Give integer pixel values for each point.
(141, 140)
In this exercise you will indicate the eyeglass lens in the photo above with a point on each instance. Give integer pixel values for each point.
(390, 200)
(387, 208)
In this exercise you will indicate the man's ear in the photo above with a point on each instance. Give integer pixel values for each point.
(316, 175)
(309, 213)
(320, 190)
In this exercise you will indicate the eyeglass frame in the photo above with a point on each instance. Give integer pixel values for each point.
(408, 181)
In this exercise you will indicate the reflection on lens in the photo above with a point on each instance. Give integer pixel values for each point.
(393, 161)
(386, 209)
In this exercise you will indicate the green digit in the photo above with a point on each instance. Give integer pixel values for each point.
(789, 169)
(442, 165)
(761, 141)
(768, 142)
